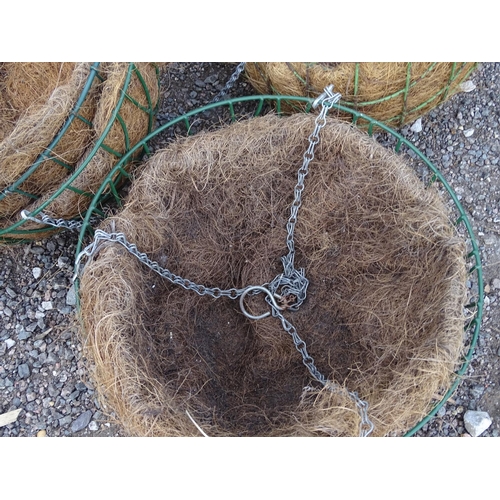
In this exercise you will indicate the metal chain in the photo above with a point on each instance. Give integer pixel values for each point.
(291, 282)
(366, 425)
(100, 235)
(232, 80)
(73, 225)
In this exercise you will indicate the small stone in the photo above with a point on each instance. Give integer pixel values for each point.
(477, 391)
(467, 86)
(82, 421)
(10, 343)
(62, 261)
(11, 292)
(24, 334)
(80, 386)
(93, 426)
(417, 126)
(468, 132)
(37, 272)
(47, 306)
(476, 422)
(23, 370)
(487, 288)
(41, 434)
(9, 417)
(30, 396)
(65, 421)
(71, 296)
(441, 412)
(496, 284)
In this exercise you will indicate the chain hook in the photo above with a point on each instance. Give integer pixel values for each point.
(327, 97)
(257, 288)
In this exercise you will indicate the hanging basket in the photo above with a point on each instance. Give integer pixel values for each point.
(394, 93)
(109, 107)
(387, 269)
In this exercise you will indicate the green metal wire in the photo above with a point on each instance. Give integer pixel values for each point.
(275, 101)
(405, 94)
(356, 78)
(15, 229)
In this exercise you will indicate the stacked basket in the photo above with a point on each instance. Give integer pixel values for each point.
(394, 93)
(63, 126)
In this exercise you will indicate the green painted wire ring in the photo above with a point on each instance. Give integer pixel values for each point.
(472, 328)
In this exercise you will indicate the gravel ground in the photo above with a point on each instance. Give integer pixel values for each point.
(42, 371)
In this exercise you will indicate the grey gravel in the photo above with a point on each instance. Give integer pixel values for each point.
(42, 368)
(82, 421)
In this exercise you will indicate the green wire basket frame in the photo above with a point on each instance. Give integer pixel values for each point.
(150, 110)
(471, 329)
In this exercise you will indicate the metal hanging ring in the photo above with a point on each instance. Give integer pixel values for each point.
(260, 289)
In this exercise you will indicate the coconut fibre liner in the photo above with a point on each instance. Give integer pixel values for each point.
(383, 312)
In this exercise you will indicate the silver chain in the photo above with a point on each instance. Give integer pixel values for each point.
(232, 80)
(292, 281)
(291, 284)
(366, 426)
(100, 235)
(73, 225)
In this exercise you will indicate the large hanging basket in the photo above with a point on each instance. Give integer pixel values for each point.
(394, 93)
(54, 165)
(384, 314)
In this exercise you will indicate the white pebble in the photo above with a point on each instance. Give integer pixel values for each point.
(71, 296)
(476, 422)
(467, 86)
(468, 132)
(47, 306)
(37, 272)
(417, 126)
(93, 426)
(10, 343)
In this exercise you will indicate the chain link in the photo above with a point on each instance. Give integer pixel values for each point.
(100, 236)
(73, 225)
(366, 426)
(232, 80)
